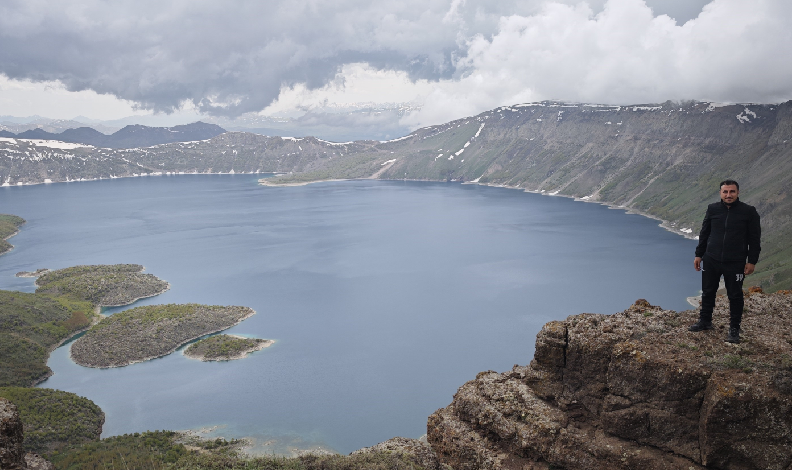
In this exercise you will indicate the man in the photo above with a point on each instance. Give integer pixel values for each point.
(729, 237)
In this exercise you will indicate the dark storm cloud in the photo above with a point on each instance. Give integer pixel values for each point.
(230, 57)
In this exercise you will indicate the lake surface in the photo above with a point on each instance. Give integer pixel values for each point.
(383, 297)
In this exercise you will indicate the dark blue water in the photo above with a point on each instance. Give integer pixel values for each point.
(383, 297)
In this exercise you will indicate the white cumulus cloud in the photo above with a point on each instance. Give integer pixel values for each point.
(733, 51)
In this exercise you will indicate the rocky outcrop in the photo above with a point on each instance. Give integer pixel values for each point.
(37, 462)
(12, 454)
(633, 390)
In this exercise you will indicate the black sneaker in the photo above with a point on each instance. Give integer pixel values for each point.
(734, 335)
(700, 325)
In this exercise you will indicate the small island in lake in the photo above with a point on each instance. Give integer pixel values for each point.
(225, 347)
(151, 331)
(105, 285)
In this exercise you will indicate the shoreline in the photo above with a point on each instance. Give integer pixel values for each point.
(256, 445)
(148, 358)
(665, 224)
(263, 182)
(97, 318)
(140, 175)
(11, 247)
(167, 288)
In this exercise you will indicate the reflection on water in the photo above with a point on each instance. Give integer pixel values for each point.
(384, 297)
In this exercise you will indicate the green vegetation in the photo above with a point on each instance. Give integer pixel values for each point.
(735, 361)
(148, 450)
(224, 347)
(54, 419)
(30, 326)
(105, 285)
(9, 226)
(368, 461)
(150, 331)
(167, 450)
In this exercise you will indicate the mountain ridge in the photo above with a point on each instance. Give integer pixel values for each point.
(662, 160)
(131, 136)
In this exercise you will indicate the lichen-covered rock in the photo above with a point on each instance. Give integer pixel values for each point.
(633, 390)
(12, 454)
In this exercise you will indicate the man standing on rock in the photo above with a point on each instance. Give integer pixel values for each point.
(729, 236)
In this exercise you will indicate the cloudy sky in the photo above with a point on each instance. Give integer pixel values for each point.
(106, 59)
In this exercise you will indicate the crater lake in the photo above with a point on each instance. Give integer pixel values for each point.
(383, 297)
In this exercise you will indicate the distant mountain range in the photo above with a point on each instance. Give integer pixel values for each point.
(662, 160)
(132, 136)
(358, 121)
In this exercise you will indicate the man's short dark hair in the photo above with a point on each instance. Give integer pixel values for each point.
(730, 183)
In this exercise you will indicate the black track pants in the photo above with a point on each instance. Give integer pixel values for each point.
(733, 276)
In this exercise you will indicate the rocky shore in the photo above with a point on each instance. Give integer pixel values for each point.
(225, 347)
(106, 285)
(151, 331)
(633, 390)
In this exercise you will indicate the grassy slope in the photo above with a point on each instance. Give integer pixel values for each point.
(148, 450)
(164, 450)
(54, 419)
(30, 326)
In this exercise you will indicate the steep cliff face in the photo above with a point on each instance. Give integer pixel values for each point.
(634, 390)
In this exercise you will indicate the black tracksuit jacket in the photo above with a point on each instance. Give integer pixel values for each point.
(730, 234)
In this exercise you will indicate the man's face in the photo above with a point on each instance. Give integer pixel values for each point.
(729, 193)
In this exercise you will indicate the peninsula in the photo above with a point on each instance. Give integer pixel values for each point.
(32, 326)
(151, 331)
(35, 273)
(9, 226)
(102, 285)
(225, 347)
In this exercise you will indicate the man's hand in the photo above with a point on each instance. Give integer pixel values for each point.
(749, 268)
(697, 264)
